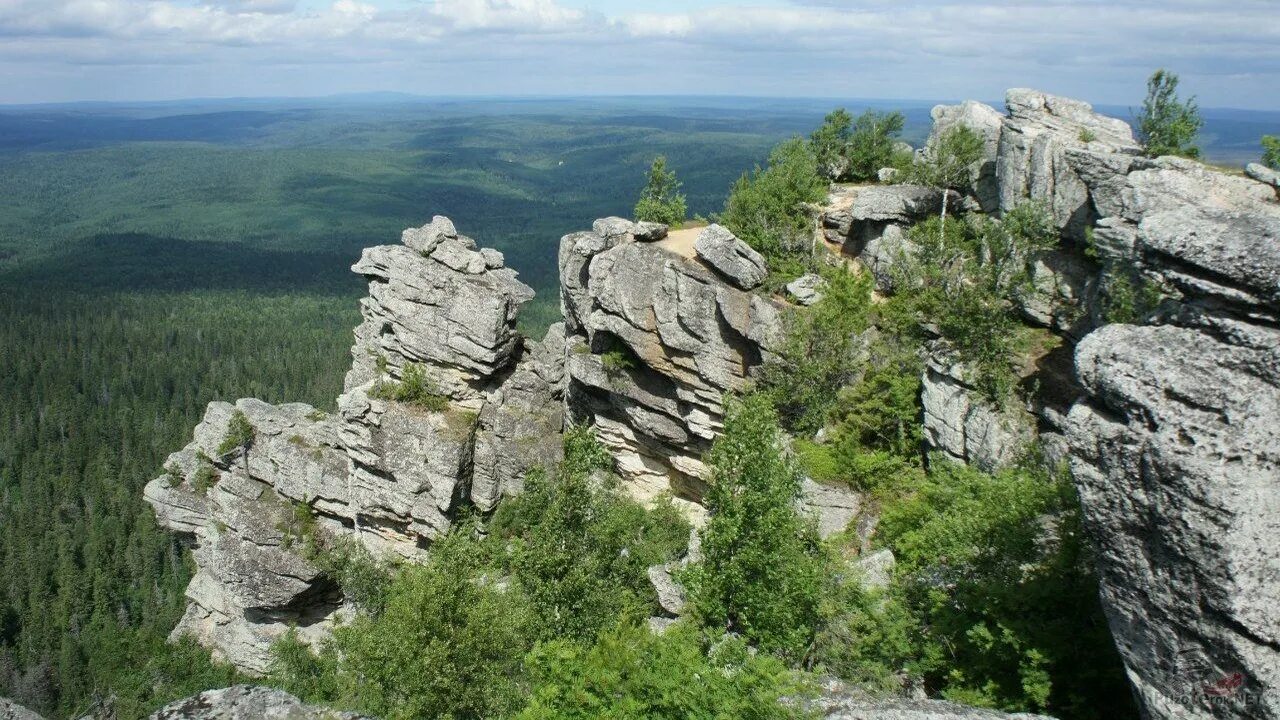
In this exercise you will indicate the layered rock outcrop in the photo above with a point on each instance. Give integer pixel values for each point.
(656, 339)
(445, 404)
(1173, 442)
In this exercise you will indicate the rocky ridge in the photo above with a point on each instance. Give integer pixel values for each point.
(1169, 425)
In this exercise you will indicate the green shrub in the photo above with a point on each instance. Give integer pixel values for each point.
(633, 674)
(1129, 300)
(445, 645)
(767, 207)
(1271, 151)
(848, 149)
(762, 573)
(414, 388)
(1087, 135)
(1166, 125)
(580, 550)
(881, 411)
(239, 434)
(817, 356)
(997, 571)
(616, 362)
(661, 199)
(204, 477)
(963, 278)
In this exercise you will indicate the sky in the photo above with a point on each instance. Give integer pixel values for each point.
(1227, 52)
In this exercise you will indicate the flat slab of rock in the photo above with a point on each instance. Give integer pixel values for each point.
(806, 289)
(732, 258)
(247, 702)
(10, 710)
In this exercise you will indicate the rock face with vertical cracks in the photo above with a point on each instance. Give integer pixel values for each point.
(389, 474)
(655, 340)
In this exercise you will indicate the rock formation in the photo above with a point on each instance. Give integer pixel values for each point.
(1173, 439)
(655, 340)
(246, 702)
(10, 710)
(1170, 427)
(389, 473)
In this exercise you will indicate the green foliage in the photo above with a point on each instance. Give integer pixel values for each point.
(871, 146)
(98, 390)
(963, 278)
(948, 161)
(414, 388)
(830, 144)
(856, 150)
(766, 207)
(363, 579)
(239, 434)
(616, 362)
(996, 567)
(633, 674)
(816, 358)
(1166, 125)
(762, 569)
(204, 477)
(580, 550)
(661, 199)
(1129, 298)
(1087, 135)
(445, 644)
(881, 410)
(1271, 151)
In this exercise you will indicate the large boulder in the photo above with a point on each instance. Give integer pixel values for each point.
(10, 710)
(247, 702)
(837, 700)
(871, 222)
(1176, 454)
(967, 427)
(1050, 147)
(732, 258)
(654, 341)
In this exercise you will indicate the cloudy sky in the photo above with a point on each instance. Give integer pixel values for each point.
(1227, 51)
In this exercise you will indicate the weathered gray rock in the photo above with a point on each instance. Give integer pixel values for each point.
(1176, 457)
(806, 289)
(888, 175)
(959, 422)
(1051, 148)
(833, 507)
(689, 337)
(247, 702)
(736, 260)
(870, 222)
(520, 425)
(385, 473)
(877, 569)
(987, 122)
(646, 231)
(671, 596)
(10, 710)
(1263, 174)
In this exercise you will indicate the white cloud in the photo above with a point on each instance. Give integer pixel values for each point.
(939, 48)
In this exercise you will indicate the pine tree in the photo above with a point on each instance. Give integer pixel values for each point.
(661, 200)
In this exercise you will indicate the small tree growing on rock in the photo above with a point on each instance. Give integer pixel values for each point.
(1271, 151)
(762, 572)
(661, 199)
(849, 149)
(947, 164)
(1166, 125)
